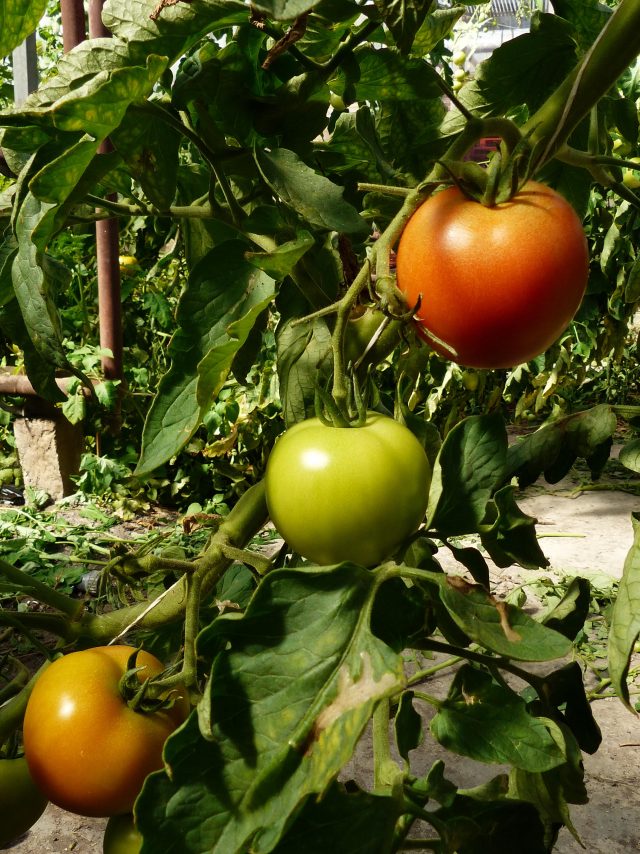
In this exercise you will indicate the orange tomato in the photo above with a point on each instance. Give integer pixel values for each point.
(497, 285)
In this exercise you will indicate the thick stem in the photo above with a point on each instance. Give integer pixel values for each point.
(12, 712)
(616, 47)
(242, 523)
(28, 586)
(381, 745)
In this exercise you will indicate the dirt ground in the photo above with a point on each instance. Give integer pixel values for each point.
(587, 534)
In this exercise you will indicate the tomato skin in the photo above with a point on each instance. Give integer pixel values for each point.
(21, 802)
(121, 836)
(498, 285)
(360, 330)
(347, 493)
(86, 749)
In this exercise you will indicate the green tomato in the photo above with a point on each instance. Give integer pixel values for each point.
(347, 493)
(631, 177)
(336, 102)
(470, 380)
(459, 58)
(121, 836)
(360, 330)
(21, 802)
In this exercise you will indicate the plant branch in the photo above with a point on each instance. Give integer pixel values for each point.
(488, 660)
(12, 712)
(26, 585)
(243, 522)
(615, 48)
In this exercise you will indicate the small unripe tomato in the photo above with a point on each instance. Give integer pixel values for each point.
(21, 802)
(121, 836)
(470, 380)
(128, 264)
(631, 177)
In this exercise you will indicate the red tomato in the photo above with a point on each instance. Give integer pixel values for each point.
(498, 285)
(87, 750)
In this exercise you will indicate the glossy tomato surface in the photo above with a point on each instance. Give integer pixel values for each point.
(121, 836)
(347, 493)
(21, 802)
(86, 749)
(497, 285)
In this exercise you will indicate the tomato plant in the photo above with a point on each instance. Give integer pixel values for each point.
(347, 493)
(498, 284)
(121, 836)
(87, 750)
(264, 160)
(21, 801)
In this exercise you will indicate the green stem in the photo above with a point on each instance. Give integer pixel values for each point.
(428, 698)
(243, 522)
(17, 682)
(613, 51)
(29, 622)
(422, 675)
(488, 660)
(386, 189)
(12, 712)
(28, 586)
(349, 45)
(381, 746)
(380, 255)
(124, 209)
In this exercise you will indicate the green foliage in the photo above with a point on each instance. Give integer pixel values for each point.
(263, 162)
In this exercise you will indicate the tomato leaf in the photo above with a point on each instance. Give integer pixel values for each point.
(436, 26)
(282, 260)
(553, 448)
(142, 35)
(354, 821)
(625, 618)
(285, 10)
(509, 535)
(289, 696)
(403, 19)
(317, 199)
(490, 723)
(630, 455)
(18, 19)
(304, 357)
(150, 149)
(498, 626)
(564, 687)
(552, 791)
(469, 466)
(385, 75)
(408, 726)
(478, 825)
(226, 295)
(568, 615)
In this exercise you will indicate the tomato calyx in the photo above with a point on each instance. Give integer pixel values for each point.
(143, 696)
(329, 413)
(509, 167)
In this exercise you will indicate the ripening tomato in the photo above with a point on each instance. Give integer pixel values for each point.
(347, 493)
(21, 802)
(87, 750)
(499, 284)
(121, 836)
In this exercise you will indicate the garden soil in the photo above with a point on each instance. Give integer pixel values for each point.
(583, 532)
